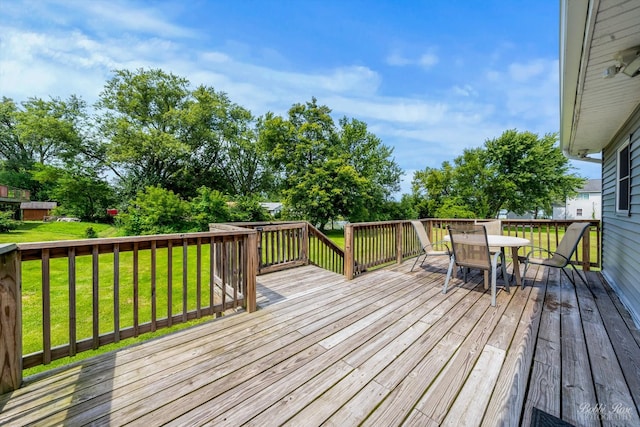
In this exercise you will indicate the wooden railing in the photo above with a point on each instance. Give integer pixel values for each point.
(103, 290)
(285, 245)
(323, 252)
(13, 193)
(375, 244)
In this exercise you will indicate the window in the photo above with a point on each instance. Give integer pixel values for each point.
(582, 196)
(623, 178)
(578, 212)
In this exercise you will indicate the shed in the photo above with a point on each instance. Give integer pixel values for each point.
(36, 211)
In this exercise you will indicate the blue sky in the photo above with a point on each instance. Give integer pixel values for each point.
(430, 78)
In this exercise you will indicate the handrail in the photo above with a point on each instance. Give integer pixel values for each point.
(374, 244)
(287, 244)
(131, 285)
(14, 193)
(323, 252)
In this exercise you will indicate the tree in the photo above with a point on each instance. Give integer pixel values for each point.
(38, 132)
(79, 192)
(325, 171)
(529, 173)
(518, 171)
(159, 132)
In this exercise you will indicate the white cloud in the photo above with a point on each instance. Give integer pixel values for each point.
(525, 72)
(397, 60)
(428, 60)
(465, 90)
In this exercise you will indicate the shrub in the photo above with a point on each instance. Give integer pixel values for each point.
(7, 223)
(207, 207)
(155, 211)
(90, 233)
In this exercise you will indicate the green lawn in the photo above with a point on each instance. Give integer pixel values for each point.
(35, 231)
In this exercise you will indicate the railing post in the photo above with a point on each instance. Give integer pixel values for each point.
(305, 243)
(348, 251)
(399, 229)
(251, 269)
(586, 250)
(10, 320)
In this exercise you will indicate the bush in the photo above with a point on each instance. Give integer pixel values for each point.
(7, 223)
(207, 207)
(155, 211)
(90, 233)
(248, 209)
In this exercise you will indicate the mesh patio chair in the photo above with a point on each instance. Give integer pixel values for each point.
(471, 250)
(561, 257)
(427, 248)
(495, 228)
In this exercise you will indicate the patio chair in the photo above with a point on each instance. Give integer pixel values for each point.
(427, 248)
(495, 228)
(471, 250)
(561, 257)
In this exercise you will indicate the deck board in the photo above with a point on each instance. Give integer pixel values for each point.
(387, 348)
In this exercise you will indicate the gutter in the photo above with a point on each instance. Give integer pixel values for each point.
(580, 157)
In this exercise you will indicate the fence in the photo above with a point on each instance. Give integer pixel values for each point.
(103, 290)
(376, 244)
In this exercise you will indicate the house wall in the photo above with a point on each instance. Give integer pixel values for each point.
(591, 208)
(621, 233)
(34, 214)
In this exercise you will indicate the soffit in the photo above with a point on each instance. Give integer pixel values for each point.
(601, 106)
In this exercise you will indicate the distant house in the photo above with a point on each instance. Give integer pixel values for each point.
(587, 204)
(274, 208)
(36, 211)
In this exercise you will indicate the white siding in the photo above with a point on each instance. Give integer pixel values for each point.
(621, 233)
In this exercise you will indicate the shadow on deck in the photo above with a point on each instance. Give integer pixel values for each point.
(386, 348)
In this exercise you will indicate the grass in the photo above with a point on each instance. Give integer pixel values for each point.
(32, 231)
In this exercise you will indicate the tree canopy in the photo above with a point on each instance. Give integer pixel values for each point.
(519, 172)
(328, 171)
(173, 156)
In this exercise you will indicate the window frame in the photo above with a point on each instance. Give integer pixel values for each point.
(623, 182)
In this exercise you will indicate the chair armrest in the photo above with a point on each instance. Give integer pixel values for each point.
(440, 243)
(544, 250)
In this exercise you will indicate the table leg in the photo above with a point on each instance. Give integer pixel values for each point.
(516, 265)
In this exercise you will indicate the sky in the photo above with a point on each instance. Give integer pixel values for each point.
(430, 78)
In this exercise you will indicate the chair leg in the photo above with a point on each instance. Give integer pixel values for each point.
(580, 275)
(569, 277)
(416, 261)
(449, 272)
(506, 278)
(493, 282)
(524, 275)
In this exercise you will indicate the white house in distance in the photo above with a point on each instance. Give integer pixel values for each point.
(587, 204)
(600, 122)
(274, 208)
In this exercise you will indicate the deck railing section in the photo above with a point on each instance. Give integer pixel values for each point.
(285, 245)
(13, 193)
(323, 252)
(375, 244)
(103, 290)
(281, 246)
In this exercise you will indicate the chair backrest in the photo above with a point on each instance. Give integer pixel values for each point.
(470, 246)
(569, 241)
(492, 227)
(422, 233)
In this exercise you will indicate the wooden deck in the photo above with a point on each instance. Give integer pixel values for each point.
(386, 348)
